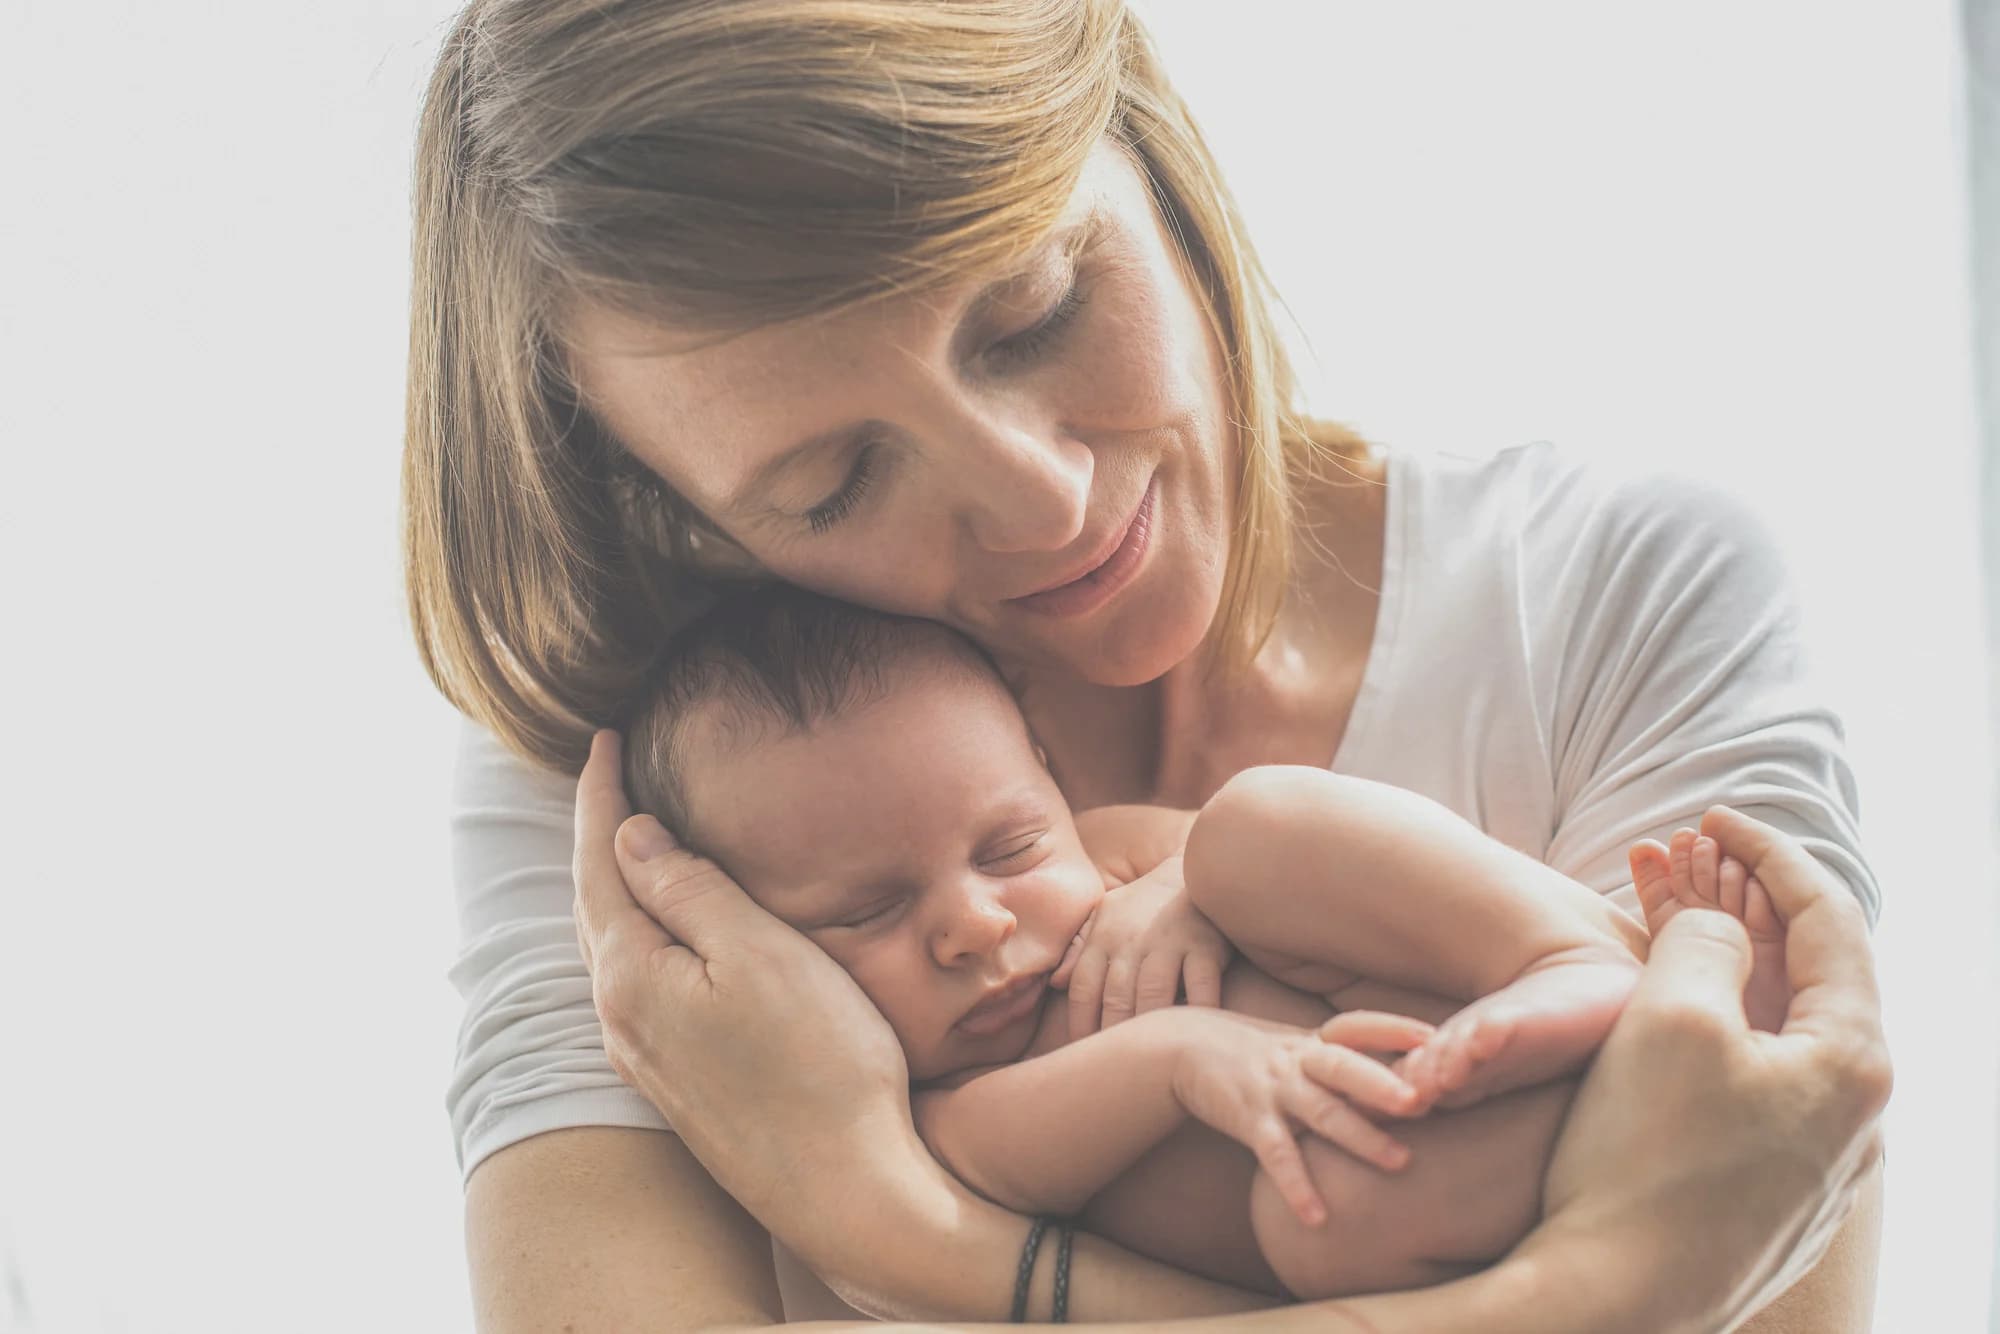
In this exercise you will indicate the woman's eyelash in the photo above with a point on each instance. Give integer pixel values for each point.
(1024, 345)
(842, 502)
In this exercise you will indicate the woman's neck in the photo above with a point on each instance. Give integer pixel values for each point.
(1178, 739)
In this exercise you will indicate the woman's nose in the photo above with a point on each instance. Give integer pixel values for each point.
(971, 926)
(1022, 487)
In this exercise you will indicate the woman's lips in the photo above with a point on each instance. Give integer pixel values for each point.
(1000, 1012)
(1097, 586)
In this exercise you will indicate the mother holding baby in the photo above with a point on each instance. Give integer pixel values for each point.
(941, 307)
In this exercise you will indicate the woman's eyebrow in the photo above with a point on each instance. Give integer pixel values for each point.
(1067, 241)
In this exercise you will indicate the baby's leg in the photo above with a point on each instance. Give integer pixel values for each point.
(1471, 1191)
(1318, 877)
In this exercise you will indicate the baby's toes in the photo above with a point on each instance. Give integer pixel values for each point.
(1705, 862)
(1653, 879)
(1680, 860)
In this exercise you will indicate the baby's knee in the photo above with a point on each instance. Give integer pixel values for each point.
(1242, 826)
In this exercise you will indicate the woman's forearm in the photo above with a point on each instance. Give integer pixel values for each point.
(1549, 1293)
(939, 1252)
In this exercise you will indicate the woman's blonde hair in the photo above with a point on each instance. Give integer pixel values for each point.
(718, 165)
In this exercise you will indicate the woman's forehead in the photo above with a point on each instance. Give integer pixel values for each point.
(683, 401)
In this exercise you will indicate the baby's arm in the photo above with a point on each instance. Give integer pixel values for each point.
(1046, 1134)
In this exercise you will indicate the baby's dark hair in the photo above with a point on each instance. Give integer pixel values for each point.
(772, 656)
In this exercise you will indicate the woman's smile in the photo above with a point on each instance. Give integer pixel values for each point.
(1105, 574)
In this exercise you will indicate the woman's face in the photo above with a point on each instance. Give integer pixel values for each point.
(1039, 459)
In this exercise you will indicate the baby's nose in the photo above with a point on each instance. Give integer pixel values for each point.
(977, 926)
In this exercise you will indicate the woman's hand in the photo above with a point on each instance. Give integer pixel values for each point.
(1137, 948)
(1700, 1157)
(760, 1052)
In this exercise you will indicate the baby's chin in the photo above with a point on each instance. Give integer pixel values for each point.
(960, 1054)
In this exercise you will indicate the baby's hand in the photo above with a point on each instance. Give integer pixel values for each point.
(1135, 952)
(1260, 1083)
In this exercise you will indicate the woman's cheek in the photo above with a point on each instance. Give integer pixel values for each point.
(889, 559)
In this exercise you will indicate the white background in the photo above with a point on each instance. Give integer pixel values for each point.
(1727, 234)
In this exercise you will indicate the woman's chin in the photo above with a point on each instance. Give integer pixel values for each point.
(1137, 649)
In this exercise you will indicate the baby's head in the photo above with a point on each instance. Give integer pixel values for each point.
(870, 780)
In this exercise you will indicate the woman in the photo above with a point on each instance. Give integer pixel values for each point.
(943, 308)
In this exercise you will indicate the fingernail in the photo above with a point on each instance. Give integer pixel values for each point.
(645, 839)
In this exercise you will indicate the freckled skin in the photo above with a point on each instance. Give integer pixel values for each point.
(992, 473)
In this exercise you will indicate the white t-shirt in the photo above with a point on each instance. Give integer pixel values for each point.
(1571, 658)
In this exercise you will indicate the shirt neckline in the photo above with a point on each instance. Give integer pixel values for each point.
(1397, 477)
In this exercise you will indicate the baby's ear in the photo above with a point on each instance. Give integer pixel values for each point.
(1041, 755)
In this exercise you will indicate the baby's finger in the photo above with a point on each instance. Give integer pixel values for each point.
(1201, 973)
(1278, 1154)
(1086, 993)
(1060, 978)
(1340, 1125)
(1121, 981)
(1347, 1072)
(1376, 1030)
(1159, 982)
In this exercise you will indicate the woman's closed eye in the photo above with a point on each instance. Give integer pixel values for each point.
(1014, 350)
(861, 475)
(1024, 346)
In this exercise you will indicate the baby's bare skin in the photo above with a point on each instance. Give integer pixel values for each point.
(1342, 889)
(1470, 1191)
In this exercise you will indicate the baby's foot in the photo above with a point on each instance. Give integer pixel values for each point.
(1691, 871)
(1546, 1023)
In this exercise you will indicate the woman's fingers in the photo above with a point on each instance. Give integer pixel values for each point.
(689, 895)
(605, 910)
(1835, 998)
(1699, 961)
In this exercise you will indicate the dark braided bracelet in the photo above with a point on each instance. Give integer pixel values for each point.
(1027, 1270)
(1061, 1316)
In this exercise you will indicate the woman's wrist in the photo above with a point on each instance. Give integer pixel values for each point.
(917, 1244)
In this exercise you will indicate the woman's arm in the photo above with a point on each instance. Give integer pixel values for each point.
(606, 1228)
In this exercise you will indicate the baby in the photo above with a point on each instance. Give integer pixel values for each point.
(871, 781)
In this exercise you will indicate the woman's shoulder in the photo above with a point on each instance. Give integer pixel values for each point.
(486, 774)
(1551, 516)
(1556, 490)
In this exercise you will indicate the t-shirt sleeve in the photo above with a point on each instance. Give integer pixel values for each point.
(1682, 680)
(530, 1053)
